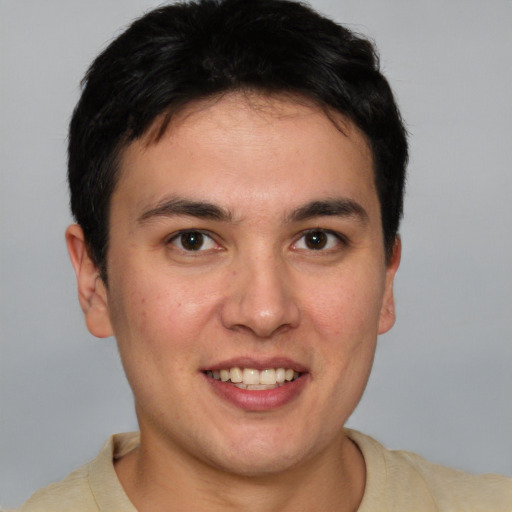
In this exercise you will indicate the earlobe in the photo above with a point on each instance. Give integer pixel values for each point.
(92, 292)
(387, 312)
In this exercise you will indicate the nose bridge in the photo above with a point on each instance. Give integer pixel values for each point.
(260, 297)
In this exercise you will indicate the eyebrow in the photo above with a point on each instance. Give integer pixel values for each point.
(339, 207)
(177, 206)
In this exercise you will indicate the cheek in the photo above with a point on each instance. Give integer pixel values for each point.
(156, 313)
(345, 321)
(156, 325)
(346, 307)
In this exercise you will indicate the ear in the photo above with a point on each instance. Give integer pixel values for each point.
(92, 292)
(387, 312)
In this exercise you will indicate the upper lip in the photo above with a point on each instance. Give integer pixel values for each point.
(257, 364)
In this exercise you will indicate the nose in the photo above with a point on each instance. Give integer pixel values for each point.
(260, 298)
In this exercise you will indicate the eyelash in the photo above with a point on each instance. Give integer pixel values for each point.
(323, 236)
(340, 239)
(201, 235)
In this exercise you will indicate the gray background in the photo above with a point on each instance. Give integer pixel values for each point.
(441, 385)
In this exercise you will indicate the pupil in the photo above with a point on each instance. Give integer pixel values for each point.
(192, 241)
(316, 240)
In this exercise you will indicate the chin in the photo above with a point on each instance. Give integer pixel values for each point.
(261, 456)
(259, 465)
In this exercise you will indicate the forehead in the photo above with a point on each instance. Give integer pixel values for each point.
(248, 141)
(242, 110)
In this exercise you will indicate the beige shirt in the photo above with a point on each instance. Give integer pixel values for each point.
(397, 481)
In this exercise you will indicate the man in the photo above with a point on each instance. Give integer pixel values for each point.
(236, 172)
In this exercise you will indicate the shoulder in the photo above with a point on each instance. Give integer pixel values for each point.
(406, 481)
(92, 488)
(72, 493)
(451, 489)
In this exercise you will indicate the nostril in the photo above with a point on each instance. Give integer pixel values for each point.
(260, 297)
(263, 321)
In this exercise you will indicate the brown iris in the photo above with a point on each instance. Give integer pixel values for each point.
(316, 240)
(192, 241)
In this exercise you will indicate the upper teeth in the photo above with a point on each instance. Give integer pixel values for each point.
(251, 376)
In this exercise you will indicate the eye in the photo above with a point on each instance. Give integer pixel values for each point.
(193, 241)
(318, 240)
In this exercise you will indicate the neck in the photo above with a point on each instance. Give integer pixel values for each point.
(158, 478)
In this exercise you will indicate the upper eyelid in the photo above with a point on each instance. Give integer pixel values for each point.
(342, 237)
(176, 234)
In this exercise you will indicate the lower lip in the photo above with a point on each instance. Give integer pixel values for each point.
(258, 400)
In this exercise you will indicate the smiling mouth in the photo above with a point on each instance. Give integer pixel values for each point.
(253, 379)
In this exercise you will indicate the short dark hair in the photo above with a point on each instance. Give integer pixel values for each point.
(185, 52)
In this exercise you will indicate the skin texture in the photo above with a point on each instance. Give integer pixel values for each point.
(254, 292)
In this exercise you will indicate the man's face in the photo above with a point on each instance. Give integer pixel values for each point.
(248, 237)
